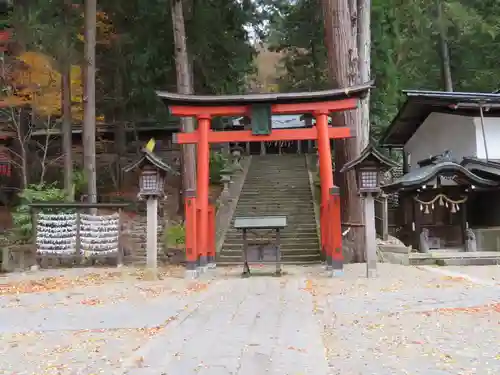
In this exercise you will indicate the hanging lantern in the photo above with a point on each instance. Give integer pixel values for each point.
(441, 202)
(426, 209)
(421, 207)
(453, 210)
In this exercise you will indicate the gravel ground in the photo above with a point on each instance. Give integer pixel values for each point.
(409, 320)
(490, 273)
(86, 321)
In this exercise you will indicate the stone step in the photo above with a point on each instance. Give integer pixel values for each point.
(277, 186)
(284, 234)
(285, 237)
(228, 263)
(299, 229)
(271, 180)
(301, 201)
(292, 215)
(285, 185)
(295, 222)
(296, 202)
(291, 259)
(290, 238)
(270, 209)
(285, 247)
(276, 178)
(277, 174)
(264, 201)
(276, 191)
(283, 195)
(238, 252)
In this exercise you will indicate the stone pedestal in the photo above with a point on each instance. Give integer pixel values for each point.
(151, 234)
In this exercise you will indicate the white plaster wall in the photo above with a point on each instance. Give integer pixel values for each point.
(492, 132)
(441, 132)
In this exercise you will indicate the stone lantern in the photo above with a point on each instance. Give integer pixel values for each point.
(226, 180)
(153, 173)
(369, 167)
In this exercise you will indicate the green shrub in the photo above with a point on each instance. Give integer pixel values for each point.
(79, 183)
(43, 193)
(174, 236)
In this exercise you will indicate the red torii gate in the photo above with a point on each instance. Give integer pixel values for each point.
(200, 231)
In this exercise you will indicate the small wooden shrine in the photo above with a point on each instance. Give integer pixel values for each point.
(433, 202)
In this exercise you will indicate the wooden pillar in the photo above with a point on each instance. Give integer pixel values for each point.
(406, 167)
(190, 225)
(262, 148)
(416, 227)
(299, 146)
(203, 181)
(335, 231)
(385, 218)
(247, 147)
(325, 171)
(463, 223)
(211, 236)
(121, 232)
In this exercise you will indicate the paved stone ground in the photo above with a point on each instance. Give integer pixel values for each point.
(409, 321)
(98, 321)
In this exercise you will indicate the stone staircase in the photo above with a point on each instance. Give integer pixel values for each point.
(277, 185)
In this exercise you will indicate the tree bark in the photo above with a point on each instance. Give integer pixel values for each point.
(363, 138)
(66, 129)
(66, 108)
(444, 51)
(364, 50)
(341, 43)
(184, 86)
(89, 118)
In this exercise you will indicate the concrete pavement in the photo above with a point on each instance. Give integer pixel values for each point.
(407, 321)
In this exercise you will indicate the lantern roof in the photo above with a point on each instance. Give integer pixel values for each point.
(370, 156)
(149, 157)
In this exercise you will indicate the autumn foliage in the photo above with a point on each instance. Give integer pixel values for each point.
(35, 80)
(38, 83)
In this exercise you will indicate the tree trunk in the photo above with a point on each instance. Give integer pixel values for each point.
(89, 158)
(364, 50)
(120, 133)
(66, 106)
(184, 86)
(443, 48)
(340, 39)
(66, 129)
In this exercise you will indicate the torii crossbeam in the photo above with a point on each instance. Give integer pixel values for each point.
(260, 107)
